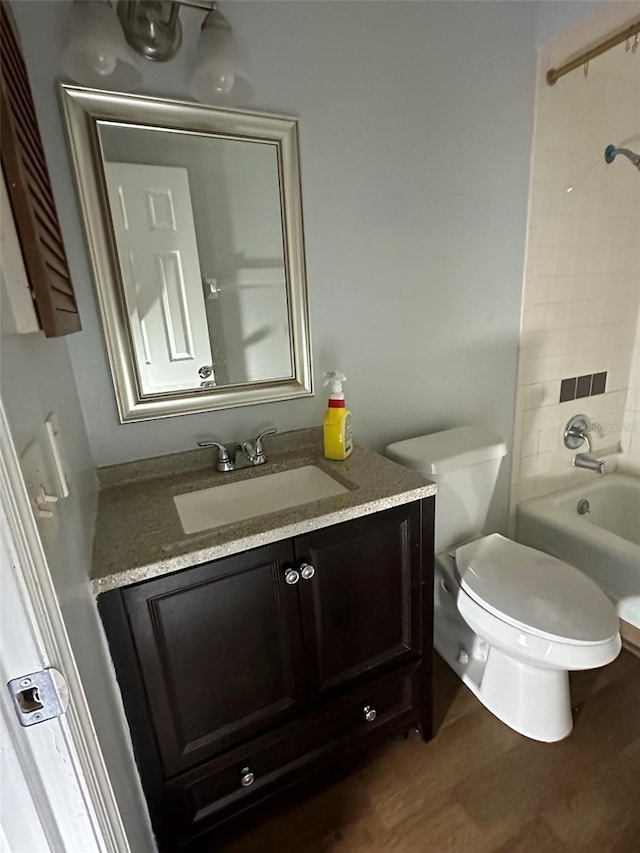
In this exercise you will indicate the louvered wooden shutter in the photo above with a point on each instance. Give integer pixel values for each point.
(29, 187)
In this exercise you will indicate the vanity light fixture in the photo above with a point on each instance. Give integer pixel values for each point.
(105, 37)
(96, 53)
(219, 71)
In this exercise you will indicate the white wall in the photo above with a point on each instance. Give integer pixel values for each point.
(416, 123)
(582, 284)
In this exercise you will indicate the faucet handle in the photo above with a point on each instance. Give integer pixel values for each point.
(254, 449)
(271, 431)
(577, 432)
(224, 462)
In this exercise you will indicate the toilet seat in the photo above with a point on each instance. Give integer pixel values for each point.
(530, 646)
(535, 592)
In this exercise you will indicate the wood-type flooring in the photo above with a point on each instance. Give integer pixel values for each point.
(479, 787)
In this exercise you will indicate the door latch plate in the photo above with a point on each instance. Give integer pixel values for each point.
(39, 696)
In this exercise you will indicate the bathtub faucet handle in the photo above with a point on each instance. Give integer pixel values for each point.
(577, 431)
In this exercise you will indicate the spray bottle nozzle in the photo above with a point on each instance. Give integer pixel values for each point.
(335, 379)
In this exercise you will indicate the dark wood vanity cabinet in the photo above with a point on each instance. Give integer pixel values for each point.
(245, 674)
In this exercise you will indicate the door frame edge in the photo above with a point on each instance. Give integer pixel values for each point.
(49, 633)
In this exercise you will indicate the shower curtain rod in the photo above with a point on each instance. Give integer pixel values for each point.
(554, 74)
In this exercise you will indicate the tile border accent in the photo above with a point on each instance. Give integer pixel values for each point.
(587, 385)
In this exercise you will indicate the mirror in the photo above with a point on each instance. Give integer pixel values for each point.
(194, 227)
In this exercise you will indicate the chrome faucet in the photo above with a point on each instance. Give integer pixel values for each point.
(584, 460)
(223, 462)
(576, 432)
(234, 457)
(254, 451)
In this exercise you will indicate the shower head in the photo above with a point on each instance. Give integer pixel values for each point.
(611, 152)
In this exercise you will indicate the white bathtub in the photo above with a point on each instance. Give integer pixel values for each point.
(604, 543)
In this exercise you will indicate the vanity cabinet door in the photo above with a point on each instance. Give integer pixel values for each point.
(361, 607)
(220, 652)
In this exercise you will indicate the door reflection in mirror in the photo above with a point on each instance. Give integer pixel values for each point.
(199, 237)
(193, 220)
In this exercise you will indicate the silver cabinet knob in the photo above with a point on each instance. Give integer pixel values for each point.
(291, 576)
(369, 713)
(307, 571)
(246, 777)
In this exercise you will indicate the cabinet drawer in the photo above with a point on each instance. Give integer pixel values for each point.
(383, 701)
(206, 795)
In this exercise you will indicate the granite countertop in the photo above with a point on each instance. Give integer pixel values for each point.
(138, 531)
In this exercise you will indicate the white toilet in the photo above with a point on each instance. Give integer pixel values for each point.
(511, 621)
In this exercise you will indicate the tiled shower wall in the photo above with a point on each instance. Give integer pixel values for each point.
(631, 424)
(582, 280)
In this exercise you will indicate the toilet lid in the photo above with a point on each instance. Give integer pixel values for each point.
(534, 591)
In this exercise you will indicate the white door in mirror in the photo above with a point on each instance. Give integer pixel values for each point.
(158, 254)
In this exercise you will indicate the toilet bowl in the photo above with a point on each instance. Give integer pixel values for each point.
(535, 619)
(510, 620)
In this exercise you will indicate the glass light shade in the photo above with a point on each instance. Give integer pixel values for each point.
(219, 76)
(96, 53)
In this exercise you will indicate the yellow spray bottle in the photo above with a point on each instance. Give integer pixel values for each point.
(338, 435)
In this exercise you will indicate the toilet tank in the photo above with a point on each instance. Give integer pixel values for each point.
(464, 463)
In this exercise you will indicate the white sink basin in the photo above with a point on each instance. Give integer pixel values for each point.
(238, 501)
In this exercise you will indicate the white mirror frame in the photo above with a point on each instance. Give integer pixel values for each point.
(83, 108)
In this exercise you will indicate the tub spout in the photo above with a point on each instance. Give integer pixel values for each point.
(584, 460)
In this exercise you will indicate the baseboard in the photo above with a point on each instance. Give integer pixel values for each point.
(630, 637)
